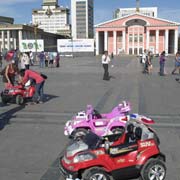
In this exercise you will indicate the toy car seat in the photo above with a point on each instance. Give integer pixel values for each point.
(138, 133)
(89, 111)
(130, 137)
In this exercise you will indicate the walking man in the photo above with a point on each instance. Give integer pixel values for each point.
(105, 62)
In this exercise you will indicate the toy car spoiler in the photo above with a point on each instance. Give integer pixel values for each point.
(142, 119)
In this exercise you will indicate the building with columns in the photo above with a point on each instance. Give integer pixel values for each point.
(12, 34)
(133, 33)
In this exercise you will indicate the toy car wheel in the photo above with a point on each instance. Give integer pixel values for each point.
(19, 99)
(95, 173)
(154, 169)
(118, 130)
(4, 99)
(79, 133)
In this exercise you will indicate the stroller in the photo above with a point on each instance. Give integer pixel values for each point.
(18, 93)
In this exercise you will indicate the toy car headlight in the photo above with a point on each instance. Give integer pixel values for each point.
(11, 90)
(84, 157)
(14, 90)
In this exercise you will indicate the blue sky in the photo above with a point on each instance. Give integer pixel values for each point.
(21, 10)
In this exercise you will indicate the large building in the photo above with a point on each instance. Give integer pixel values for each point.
(82, 18)
(148, 11)
(133, 33)
(12, 34)
(52, 18)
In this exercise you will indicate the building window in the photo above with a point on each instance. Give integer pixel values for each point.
(135, 50)
(130, 37)
(140, 38)
(130, 50)
(140, 50)
(152, 38)
(135, 38)
(119, 38)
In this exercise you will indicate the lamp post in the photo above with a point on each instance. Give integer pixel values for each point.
(35, 37)
(72, 46)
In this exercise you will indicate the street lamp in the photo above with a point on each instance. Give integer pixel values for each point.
(72, 46)
(35, 37)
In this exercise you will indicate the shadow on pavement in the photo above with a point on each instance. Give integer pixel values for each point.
(2, 104)
(48, 97)
(6, 116)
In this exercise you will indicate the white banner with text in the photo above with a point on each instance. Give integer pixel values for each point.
(75, 45)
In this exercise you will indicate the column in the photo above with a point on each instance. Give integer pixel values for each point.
(166, 40)
(20, 35)
(138, 35)
(105, 40)
(124, 40)
(133, 41)
(8, 40)
(115, 42)
(147, 39)
(175, 41)
(97, 43)
(3, 40)
(157, 41)
(14, 39)
(127, 41)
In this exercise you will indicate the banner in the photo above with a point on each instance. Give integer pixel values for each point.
(32, 45)
(75, 45)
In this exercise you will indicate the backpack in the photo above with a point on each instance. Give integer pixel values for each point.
(44, 76)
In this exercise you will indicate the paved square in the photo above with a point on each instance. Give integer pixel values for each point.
(32, 136)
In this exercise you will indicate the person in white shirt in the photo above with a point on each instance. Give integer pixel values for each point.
(26, 60)
(105, 62)
(22, 61)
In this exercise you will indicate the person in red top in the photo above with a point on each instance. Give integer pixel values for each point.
(29, 74)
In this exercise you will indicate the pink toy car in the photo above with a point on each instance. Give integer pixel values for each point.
(100, 124)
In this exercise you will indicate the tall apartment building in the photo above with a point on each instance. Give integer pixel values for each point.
(52, 18)
(147, 11)
(82, 18)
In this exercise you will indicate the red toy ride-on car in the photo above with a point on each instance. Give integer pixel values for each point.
(18, 93)
(135, 154)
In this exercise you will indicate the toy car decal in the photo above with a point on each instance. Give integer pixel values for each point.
(120, 160)
(99, 152)
(99, 123)
(119, 151)
(146, 144)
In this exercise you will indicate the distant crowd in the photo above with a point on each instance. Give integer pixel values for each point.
(26, 59)
(146, 61)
